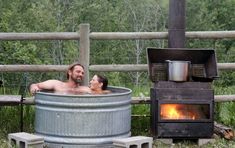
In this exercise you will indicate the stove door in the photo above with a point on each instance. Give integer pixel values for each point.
(184, 119)
(185, 112)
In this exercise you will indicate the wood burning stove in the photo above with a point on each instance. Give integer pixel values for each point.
(181, 110)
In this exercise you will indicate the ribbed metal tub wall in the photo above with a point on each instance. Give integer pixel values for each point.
(83, 120)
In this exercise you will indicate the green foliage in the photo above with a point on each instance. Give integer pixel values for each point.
(10, 119)
(3, 141)
(225, 80)
(140, 123)
(224, 112)
(107, 16)
(210, 15)
(10, 122)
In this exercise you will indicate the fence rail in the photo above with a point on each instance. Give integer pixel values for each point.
(40, 36)
(104, 68)
(146, 100)
(115, 35)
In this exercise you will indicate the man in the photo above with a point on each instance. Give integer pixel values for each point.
(75, 75)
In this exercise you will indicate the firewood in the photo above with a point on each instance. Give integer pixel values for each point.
(224, 131)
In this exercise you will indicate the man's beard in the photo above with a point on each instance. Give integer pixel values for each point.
(77, 81)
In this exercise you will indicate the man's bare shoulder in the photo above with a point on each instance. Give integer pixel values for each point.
(52, 81)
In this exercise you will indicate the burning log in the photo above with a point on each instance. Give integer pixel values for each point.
(224, 131)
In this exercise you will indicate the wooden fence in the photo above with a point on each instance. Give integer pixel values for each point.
(84, 36)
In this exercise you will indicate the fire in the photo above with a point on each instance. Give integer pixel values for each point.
(176, 111)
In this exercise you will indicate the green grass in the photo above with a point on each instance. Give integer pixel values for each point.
(218, 143)
(3, 142)
(10, 119)
(140, 125)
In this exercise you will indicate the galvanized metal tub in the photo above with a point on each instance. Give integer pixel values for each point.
(83, 120)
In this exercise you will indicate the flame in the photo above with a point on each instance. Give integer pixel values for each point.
(176, 111)
(194, 117)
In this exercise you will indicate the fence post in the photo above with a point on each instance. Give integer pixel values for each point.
(84, 50)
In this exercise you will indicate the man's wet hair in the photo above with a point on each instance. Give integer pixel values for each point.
(71, 67)
(104, 80)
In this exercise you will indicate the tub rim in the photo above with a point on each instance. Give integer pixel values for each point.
(128, 91)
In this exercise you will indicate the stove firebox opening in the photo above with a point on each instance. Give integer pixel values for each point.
(184, 111)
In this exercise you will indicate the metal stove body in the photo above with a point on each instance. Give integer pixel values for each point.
(181, 110)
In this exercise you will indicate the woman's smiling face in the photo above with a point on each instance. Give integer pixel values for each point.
(95, 84)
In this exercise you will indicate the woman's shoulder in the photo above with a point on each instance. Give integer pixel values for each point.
(101, 92)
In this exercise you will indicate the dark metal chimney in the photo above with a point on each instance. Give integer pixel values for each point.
(176, 24)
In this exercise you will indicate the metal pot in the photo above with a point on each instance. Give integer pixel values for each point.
(178, 70)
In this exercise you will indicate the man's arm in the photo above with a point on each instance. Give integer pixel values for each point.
(48, 85)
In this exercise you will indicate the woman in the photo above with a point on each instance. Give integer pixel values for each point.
(98, 85)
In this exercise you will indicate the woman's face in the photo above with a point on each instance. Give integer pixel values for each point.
(95, 84)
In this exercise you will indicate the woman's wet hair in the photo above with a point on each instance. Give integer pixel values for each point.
(71, 67)
(104, 80)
